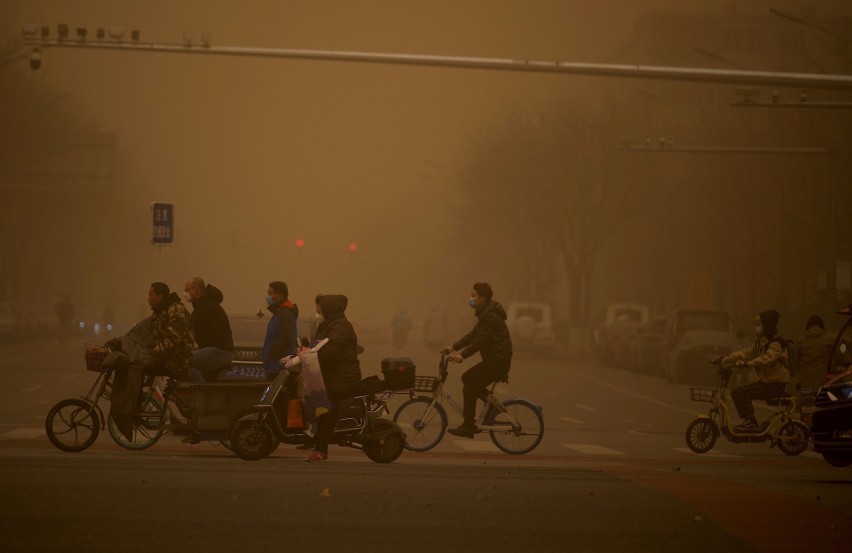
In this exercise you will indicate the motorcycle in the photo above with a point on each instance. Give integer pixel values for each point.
(277, 419)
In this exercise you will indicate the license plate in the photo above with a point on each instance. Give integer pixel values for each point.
(245, 372)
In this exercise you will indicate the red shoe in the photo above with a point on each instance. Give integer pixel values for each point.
(316, 457)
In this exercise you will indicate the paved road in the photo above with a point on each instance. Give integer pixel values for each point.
(612, 473)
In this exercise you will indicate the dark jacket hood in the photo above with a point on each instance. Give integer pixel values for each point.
(491, 306)
(211, 293)
(333, 305)
(770, 320)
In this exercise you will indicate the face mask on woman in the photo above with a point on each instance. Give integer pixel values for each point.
(472, 303)
(758, 330)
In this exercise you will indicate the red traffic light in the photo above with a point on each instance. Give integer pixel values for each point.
(300, 243)
(353, 247)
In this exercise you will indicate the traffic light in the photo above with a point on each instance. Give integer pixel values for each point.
(353, 247)
(300, 243)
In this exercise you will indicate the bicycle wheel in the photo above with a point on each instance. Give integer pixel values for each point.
(424, 428)
(72, 425)
(146, 426)
(701, 435)
(793, 438)
(524, 434)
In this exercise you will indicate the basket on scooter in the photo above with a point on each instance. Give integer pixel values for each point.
(702, 394)
(398, 373)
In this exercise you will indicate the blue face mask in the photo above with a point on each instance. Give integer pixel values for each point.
(270, 300)
(472, 303)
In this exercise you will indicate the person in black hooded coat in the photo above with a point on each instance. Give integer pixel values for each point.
(338, 358)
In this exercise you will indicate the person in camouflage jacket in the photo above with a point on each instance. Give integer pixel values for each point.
(171, 330)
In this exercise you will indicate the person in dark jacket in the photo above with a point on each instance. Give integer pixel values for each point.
(281, 336)
(338, 358)
(490, 337)
(212, 330)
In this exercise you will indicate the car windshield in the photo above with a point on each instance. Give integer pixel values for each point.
(249, 330)
(634, 315)
(704, 321)
(533, 313)
(841, 356)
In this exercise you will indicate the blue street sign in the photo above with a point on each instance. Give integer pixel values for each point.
(164, 223)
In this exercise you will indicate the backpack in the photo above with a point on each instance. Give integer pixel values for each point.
(793, 357)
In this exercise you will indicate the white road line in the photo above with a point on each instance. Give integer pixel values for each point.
(585, 407)
(711, 452)
(32, 388)
(636, 395)
(478, 446)
(28, 432)
(569, 419)
(591, 449)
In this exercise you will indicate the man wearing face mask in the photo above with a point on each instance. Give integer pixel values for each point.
(281, 337)
(490, 337)
(767, 355)
(212, 330)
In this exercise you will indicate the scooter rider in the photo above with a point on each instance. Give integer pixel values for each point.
(768, 356)
(490, 337)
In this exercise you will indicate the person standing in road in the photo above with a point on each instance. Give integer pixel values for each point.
(338, 359)
(212, 330)
(281, 335)
(768, 356)
(490, 337)
(171, 330)
(814, 348)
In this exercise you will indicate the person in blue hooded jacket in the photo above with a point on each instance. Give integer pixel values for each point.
(281, 336)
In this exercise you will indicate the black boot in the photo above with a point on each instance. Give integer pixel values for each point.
(462, 431)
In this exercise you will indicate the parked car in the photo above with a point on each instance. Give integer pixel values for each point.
(693, 338)
(615, 326)
(531, 326)
(647, 347)
(831, 422)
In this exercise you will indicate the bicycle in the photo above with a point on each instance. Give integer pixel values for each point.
(781, 429)
(516, 425)
(73, 425)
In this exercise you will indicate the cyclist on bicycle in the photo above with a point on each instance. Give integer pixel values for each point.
(768, 356)
(490, 337)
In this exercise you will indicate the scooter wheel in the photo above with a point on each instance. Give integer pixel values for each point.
(252, 440)
(701, 435)
(793, 438)
(389, 448)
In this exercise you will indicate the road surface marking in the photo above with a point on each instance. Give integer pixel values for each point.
(636, 395)
(584, 407)
(481, 446)
(28, 432)
(591, 449)
(32, 388)
(711, 452)
(569, 419)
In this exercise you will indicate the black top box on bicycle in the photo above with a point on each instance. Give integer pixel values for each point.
(398, 373)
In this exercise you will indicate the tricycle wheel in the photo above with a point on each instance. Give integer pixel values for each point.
(388, 448)
(701, 435)
(252, 440)
(837, 460)
(72, 425)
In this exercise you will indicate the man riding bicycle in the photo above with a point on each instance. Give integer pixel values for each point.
(490, 337)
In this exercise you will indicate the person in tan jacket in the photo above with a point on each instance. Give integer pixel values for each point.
(768, 357)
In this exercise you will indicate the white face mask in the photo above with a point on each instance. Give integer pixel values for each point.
(187, 297)
(758, 330)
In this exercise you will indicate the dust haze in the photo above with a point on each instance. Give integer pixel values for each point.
(440, 177)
